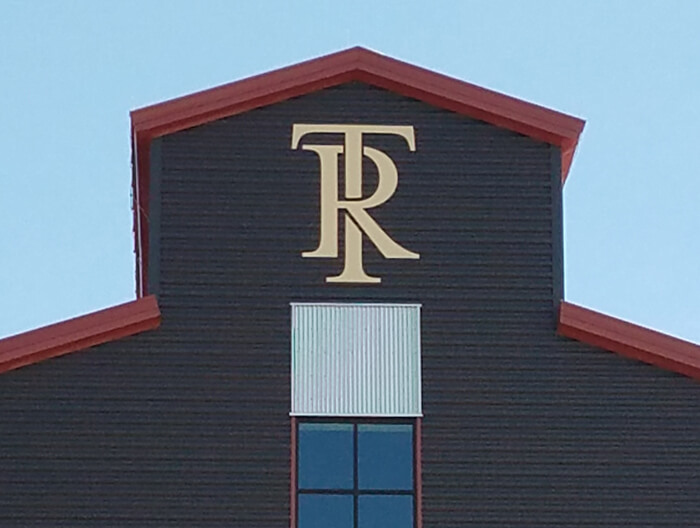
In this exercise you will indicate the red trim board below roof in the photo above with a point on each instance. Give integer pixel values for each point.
(354, 64)
(629, 340)
(79, 333)
(576, 322)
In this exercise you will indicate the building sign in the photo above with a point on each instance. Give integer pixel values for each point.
(358, 221)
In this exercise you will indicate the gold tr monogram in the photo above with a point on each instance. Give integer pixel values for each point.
(357, 219)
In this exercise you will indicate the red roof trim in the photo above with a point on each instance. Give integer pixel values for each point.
(79, 333)
(358, 64)
(355, 64)
(629, 340)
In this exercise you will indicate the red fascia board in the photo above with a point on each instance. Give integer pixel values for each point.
(629, 340)
(358, 64)
(355, 64)
(79, 333)
(293, 484)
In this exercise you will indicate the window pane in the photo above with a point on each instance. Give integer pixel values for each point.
(325, 511)
(325, 456)
(385, 456)
(385, 511)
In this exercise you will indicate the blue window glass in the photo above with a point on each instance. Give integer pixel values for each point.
(385, 456)
(325, 456)
(355, 475)
(385, 511)
(325, 511)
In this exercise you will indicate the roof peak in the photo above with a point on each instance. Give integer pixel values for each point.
(353, 64)
(361, 64)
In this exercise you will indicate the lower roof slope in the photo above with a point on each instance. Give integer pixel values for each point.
(575, 322)
(79, 333)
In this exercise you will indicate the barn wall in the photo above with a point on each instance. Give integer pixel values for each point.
(189, 424)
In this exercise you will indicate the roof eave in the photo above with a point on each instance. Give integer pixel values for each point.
(629, 340)
(79, 333)
(358, 64)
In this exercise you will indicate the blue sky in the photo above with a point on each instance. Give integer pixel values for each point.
(71, 71)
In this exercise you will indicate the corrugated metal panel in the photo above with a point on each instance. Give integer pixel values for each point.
(356, 359)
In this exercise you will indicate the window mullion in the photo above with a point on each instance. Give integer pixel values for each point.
(321, 451)
(295, 425)
(356, 491)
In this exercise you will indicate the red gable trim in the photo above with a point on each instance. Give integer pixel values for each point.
(358, 64)
(355, 64)
(77, 334)
(629, 340)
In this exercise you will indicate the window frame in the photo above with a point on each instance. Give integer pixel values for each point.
(416, 422)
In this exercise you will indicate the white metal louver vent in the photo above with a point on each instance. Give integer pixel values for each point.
(356, 359)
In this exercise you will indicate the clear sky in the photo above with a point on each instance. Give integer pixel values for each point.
(71, 71)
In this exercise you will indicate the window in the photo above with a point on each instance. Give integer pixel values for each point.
(355, 474)
(356, 415)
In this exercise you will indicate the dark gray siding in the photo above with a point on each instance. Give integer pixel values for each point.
(144, 432)
(188, 425)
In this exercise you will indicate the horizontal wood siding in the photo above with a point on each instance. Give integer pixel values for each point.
(188, 425)
(141, 432)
